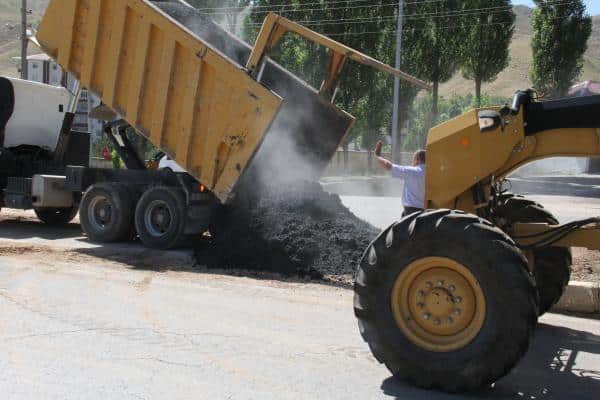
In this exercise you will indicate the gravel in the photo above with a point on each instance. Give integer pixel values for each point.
(296, 229)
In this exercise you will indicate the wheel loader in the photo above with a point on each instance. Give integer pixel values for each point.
(449, 298)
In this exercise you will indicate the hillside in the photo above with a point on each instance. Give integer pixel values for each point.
(516, 76)
(10, 30)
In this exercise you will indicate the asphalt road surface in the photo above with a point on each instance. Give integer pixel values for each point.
(75, 327)
(81, 321)
(383, 211)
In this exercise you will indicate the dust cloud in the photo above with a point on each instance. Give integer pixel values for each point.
(281, 219)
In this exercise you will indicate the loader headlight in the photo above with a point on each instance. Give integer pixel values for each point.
(489, 120)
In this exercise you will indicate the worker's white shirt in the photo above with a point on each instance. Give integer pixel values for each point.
(414, 184)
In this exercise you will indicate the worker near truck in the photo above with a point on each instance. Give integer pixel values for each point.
(413, 196)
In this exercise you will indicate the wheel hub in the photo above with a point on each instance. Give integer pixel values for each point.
(436, 298)
(157, 218)
(438, 304)
(100, 211)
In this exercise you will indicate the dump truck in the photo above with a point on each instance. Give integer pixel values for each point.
(220, 109)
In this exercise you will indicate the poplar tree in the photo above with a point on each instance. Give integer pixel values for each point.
(488, 34)
(560, 35)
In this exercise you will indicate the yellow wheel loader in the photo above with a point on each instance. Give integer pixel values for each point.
(449, 298)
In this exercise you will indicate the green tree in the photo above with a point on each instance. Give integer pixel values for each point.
(442, 34)
(560, 35)
(486, 42)
(367, 26)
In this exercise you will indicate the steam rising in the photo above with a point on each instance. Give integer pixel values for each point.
(306, 132)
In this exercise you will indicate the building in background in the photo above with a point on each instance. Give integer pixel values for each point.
(41, 68)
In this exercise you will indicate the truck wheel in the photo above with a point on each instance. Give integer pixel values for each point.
(160, 217)
(444, 299)
(56, 216)
(551, 265)
(106, 212)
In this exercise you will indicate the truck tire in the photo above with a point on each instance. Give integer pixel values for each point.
(444, 299)
(551, 265)
(106, 212)
(56, 216)
(160, 217)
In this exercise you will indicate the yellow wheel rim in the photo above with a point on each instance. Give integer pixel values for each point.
(438, 304)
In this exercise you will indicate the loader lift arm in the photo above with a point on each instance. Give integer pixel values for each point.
(585, 233)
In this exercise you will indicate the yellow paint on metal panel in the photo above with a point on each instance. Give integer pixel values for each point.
(161, 95)
(80, 27)
(150, 80)
(104, 32)
(223, 98)
(179, 83)
(114, 54)
(204, 111)
(89, 51)
(126, 61)
(142, 44)
(66, 41)
(190, 99)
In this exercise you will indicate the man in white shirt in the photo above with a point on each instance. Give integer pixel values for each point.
(413, 197)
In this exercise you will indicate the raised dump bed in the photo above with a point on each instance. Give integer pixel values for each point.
(182, 84)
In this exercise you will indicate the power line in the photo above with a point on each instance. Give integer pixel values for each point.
(416, 16)
(316, 3)
(323, 8)
(361, 20)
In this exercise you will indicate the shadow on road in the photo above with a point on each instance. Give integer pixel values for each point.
(548, 371)
(138, 257)
(16, 229)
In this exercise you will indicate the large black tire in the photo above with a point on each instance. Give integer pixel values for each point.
(160, 217)
(106, 212)
(551, 265)
(56, 216)
(500, 338)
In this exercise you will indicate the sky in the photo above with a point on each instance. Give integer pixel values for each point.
(593, 6)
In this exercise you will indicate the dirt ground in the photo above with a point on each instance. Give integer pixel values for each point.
(586, 265)
(21, 234)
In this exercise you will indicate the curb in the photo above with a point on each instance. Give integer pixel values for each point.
(581, 297)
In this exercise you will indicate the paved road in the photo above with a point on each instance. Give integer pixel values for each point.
(383, 211)
(83, 328)
(140, 324)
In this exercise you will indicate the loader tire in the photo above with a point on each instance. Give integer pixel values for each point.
(56, 216)
(160, 217)
(106, 212)
(444, 299)
(551, 265)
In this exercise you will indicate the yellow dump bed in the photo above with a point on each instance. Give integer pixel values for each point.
(186, 98)
(220, 108)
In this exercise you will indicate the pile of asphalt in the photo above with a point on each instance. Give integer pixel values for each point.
(297, 229)
(280, 223)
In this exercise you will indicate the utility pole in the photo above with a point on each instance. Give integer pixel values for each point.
(396, 108)
(24, 39)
